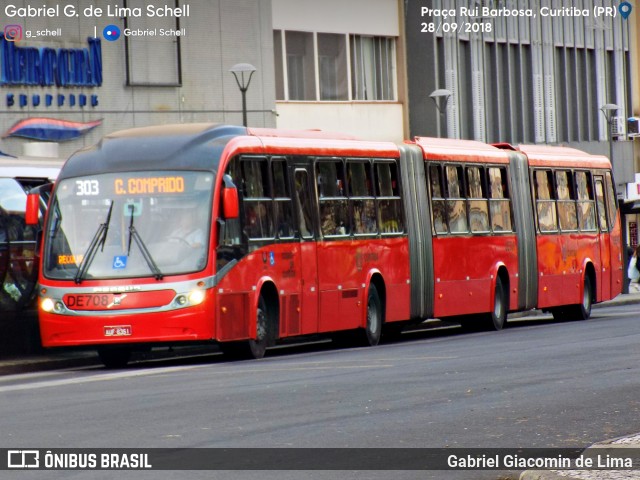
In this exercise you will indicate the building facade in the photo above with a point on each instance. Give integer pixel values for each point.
(339, 66)
(528, 72)
(174, 67)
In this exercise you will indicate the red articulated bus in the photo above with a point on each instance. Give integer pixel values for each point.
(206, 232)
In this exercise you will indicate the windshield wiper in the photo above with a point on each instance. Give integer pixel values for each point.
(98, 240)
(143, 248)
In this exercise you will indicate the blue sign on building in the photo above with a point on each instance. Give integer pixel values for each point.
(61, 67)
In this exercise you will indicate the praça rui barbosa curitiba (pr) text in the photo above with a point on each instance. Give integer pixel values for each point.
(479, 19)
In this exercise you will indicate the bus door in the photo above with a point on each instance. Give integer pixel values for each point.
(604, 240)
(308, 252)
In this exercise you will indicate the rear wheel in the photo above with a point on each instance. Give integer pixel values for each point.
(498, 316)
(373, 330)
(582, 311)
(370, 335)
(114, 357)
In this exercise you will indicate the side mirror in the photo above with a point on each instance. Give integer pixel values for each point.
(31, 216)
(230, 199)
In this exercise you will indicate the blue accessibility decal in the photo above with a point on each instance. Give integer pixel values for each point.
(119, 262)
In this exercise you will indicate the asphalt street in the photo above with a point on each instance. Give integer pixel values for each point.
(536, 384)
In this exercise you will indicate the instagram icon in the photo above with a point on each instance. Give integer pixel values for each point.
(13, 33)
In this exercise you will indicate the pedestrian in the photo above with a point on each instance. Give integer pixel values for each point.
(633, 273)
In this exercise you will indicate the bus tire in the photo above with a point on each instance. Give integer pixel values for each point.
(114, 357)
(373, 329)
(582, 311)
(497, 319)
(258, 346)
(252, 348)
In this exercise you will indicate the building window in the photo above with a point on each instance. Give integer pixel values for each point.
(334, 67)
(152, 61)
(372, 68)
(301, 71)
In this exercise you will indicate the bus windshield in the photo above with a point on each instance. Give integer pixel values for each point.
(133, 224)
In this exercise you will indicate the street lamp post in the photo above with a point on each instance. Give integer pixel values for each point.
(241, 69)
(440, 98)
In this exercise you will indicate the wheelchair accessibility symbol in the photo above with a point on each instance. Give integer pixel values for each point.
(119, 262)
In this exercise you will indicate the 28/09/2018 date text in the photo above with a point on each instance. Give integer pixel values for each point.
(456, 27)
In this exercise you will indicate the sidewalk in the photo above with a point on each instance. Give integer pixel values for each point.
(620, 447)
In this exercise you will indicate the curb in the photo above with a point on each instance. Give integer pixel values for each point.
(44, 363)
(620, 443)
(544, 475)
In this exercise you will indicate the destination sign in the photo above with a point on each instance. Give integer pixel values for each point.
(149, 185)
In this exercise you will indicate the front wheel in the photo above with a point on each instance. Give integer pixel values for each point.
(253, 348)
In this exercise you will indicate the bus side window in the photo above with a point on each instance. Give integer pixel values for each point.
(456, 204)
(258, 215)
(303, 203)
(282, 199)
(612, 205)
(478, 204)
(566, 204)
(437, 199)
(545, 202)
(499, 202)
(586, 204)
(360, 184)
(334, 216)
(390, 215)
(602, 207)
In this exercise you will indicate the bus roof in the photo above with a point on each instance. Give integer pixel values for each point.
(198, 146)
(548, 155)
(311, 134)
(461, 150)
(195, 146)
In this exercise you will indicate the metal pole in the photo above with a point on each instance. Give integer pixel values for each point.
(244, 106)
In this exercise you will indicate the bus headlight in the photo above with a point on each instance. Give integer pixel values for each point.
(181, 300)
(47, 305)
(196, 297)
